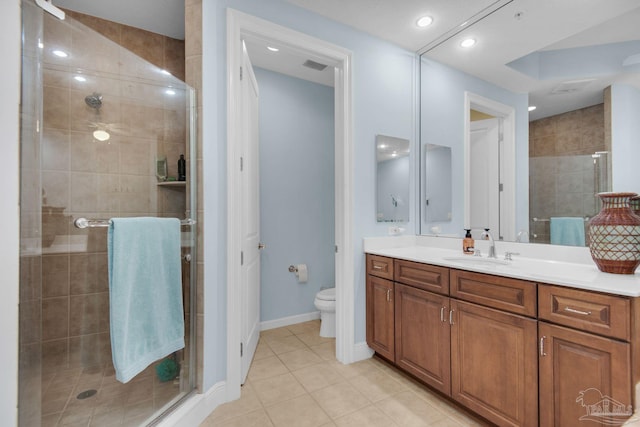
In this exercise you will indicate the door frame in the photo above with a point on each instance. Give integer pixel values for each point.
(239, 24)
(507, 160)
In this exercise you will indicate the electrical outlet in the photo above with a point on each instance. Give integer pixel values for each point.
(395, 230)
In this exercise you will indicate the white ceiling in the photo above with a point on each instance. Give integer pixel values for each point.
(516, 29)
(158, 16)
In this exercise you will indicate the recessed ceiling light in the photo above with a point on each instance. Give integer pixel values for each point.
(170, 92)
(101, 135)
(60, 53)
(165, 72)
(273, 49)
(467, 42)
(532, 107)
(80, 78)
(425, 21)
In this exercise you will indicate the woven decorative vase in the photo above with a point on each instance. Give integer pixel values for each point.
(614, 235)
(634, 204)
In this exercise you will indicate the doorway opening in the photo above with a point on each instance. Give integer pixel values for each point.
(241, 25)
(497, 169)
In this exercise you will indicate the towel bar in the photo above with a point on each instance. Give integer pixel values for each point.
(586, 218)
(91, 223)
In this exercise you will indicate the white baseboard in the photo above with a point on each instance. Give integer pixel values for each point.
(197, 408)
(361, 351)
(291, 320)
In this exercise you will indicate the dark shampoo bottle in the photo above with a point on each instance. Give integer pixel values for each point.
(182, 168)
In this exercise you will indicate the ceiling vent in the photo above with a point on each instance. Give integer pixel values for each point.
(571, 86)
(314, 65)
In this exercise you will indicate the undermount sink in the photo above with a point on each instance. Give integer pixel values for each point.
(476, 260)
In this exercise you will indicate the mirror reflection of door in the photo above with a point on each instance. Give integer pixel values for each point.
(392, 179)
(485, 175)
(438, 190)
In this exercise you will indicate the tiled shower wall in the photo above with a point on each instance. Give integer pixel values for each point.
(162, 51)
(84, 177)
(561, 169)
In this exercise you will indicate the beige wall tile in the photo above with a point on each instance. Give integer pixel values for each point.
(55, 110)
(55, 275)
(55, 318)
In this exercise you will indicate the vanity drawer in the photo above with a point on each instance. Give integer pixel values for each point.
(380, 266)
(428, 277)
(602, 314)
(503, 293)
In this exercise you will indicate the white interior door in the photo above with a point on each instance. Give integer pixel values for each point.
(250, 208)
(485, 176)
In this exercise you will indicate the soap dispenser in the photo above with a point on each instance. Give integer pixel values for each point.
(468, 243)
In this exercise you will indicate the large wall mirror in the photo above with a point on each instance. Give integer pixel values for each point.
(392, 179)
(437, 184)
(560, 83)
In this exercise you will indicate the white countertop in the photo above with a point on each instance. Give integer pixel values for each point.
(563, 266)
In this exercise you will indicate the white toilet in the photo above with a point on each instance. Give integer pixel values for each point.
(326, 302)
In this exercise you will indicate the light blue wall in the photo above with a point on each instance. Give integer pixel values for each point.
(442, 123)
(625, 141)
(296, 191)
(384, 102)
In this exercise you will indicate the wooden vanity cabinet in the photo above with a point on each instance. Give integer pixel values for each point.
(380, 316)
(576, 365)
(515, 352)
(494, 367)
(423, 336)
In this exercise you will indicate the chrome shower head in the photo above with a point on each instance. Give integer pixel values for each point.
(94, 100)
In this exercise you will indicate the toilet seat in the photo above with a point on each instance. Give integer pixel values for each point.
(327, 294)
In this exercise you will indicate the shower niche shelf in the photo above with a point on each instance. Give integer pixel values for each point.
(173, 184)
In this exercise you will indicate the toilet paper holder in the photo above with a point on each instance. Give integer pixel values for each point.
(293, 269)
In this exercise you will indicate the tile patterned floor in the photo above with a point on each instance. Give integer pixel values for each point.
(296, 381)
(114, 404)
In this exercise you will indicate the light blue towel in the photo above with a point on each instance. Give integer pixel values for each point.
(567, 231)
(145, 292)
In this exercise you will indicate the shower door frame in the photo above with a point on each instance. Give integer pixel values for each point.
(190, 107)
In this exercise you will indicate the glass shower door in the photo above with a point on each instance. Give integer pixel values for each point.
(95, 121)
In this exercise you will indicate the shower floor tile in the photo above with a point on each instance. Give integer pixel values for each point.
(112, 403)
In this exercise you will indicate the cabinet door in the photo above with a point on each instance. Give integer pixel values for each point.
(422, 336)
(380, 319)
(494, 364)
(581, 375)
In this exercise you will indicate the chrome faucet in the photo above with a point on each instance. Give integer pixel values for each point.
(492, 244)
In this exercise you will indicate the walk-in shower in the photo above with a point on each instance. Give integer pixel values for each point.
(95, 118)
